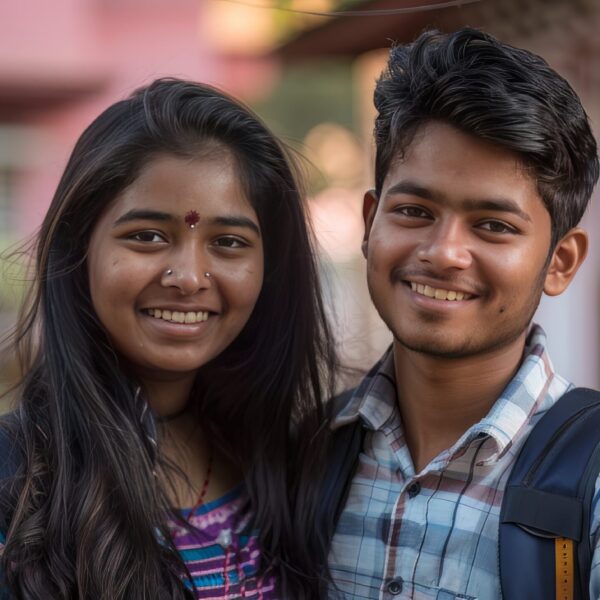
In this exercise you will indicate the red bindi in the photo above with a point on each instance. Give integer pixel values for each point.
(191, 218)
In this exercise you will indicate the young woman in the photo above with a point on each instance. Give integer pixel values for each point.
(175, 353)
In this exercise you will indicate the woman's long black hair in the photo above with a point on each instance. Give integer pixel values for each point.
(85, 516)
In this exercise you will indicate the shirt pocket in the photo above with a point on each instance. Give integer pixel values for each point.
(448, 595)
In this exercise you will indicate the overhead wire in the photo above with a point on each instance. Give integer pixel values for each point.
(359, 13)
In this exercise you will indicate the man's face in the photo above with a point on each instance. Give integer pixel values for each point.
(457, 245)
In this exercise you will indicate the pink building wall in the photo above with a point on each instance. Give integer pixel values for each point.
(63, 62)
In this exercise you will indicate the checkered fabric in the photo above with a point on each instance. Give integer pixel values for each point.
(434, 534)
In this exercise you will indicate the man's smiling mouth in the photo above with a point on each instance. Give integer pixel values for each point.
(438, 293)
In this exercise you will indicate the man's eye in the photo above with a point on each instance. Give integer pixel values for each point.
(147, 236)
(413, 211)
(497, 227)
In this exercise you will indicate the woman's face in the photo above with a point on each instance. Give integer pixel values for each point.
(176, 264)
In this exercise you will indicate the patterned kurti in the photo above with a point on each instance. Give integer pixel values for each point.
(221, 556)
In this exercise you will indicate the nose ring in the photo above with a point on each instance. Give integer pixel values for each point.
(169, 272)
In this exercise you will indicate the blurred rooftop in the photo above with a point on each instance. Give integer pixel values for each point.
(371, 24)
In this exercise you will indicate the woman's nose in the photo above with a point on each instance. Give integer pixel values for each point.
(189, 272)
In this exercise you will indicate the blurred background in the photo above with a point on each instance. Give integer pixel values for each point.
(308, 67)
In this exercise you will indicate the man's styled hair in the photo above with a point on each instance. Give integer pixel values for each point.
(498, 93)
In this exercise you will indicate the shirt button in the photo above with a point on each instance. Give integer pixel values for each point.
(394, 587)
(414, 489)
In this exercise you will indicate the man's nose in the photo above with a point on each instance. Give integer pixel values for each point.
(446, 246)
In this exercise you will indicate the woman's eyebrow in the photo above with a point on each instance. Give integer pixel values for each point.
(235, 221)
(138, 214)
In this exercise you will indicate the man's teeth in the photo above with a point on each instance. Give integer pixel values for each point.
(177, 316)
(438, 293)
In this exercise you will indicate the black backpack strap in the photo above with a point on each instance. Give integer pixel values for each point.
(345, 447)
(548, 496)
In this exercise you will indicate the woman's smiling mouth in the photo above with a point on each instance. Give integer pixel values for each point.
(175, 316)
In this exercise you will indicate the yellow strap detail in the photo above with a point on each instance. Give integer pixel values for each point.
(563, 553)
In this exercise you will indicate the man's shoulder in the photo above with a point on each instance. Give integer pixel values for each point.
(341, 403)
(550, 493)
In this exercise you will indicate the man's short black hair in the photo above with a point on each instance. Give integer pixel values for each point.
(498, 93)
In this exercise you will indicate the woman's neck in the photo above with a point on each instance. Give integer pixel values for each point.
(205, 470)
(167, 397)
(184, 443)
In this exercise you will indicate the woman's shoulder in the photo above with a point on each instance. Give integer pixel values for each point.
(11, 458)
(11, 455)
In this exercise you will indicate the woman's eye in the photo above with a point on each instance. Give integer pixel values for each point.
(230, 242)
(147, 237)
(497, 227)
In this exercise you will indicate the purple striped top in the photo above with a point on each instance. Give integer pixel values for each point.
(220, 553)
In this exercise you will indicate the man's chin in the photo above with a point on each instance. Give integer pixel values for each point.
(438, 348)
(454, 348)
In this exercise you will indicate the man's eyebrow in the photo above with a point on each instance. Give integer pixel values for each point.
(412, 189)
(235, 221)
(497, 205)
(138, 214)
(491, 204)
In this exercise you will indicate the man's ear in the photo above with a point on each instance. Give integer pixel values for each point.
(567, 257)
(369, 207)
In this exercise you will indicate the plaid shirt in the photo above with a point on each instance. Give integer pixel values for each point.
(435, 534)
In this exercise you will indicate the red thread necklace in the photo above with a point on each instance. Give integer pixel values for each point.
(205, 485)
(225, 541)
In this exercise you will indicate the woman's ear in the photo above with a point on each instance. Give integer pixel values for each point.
(567, 257)
(369, 208)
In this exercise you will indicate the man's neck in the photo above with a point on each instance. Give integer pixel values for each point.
(440, 398)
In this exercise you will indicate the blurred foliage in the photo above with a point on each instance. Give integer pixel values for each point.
(13, 286)
(13, 278)
(307, 95)
(294, 16)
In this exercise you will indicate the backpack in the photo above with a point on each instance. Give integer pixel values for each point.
(544, 542)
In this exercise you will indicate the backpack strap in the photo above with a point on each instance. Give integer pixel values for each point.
(348, 443)
(345, 447)
(548, 497)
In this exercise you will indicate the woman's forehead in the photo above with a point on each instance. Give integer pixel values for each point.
(184, 188)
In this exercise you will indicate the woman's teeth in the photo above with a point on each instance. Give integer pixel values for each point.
(177, 316)
(438, 293)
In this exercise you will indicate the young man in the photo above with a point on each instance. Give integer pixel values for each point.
(485, 164)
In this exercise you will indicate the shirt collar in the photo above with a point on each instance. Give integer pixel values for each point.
(535, 386)
(374, 400)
